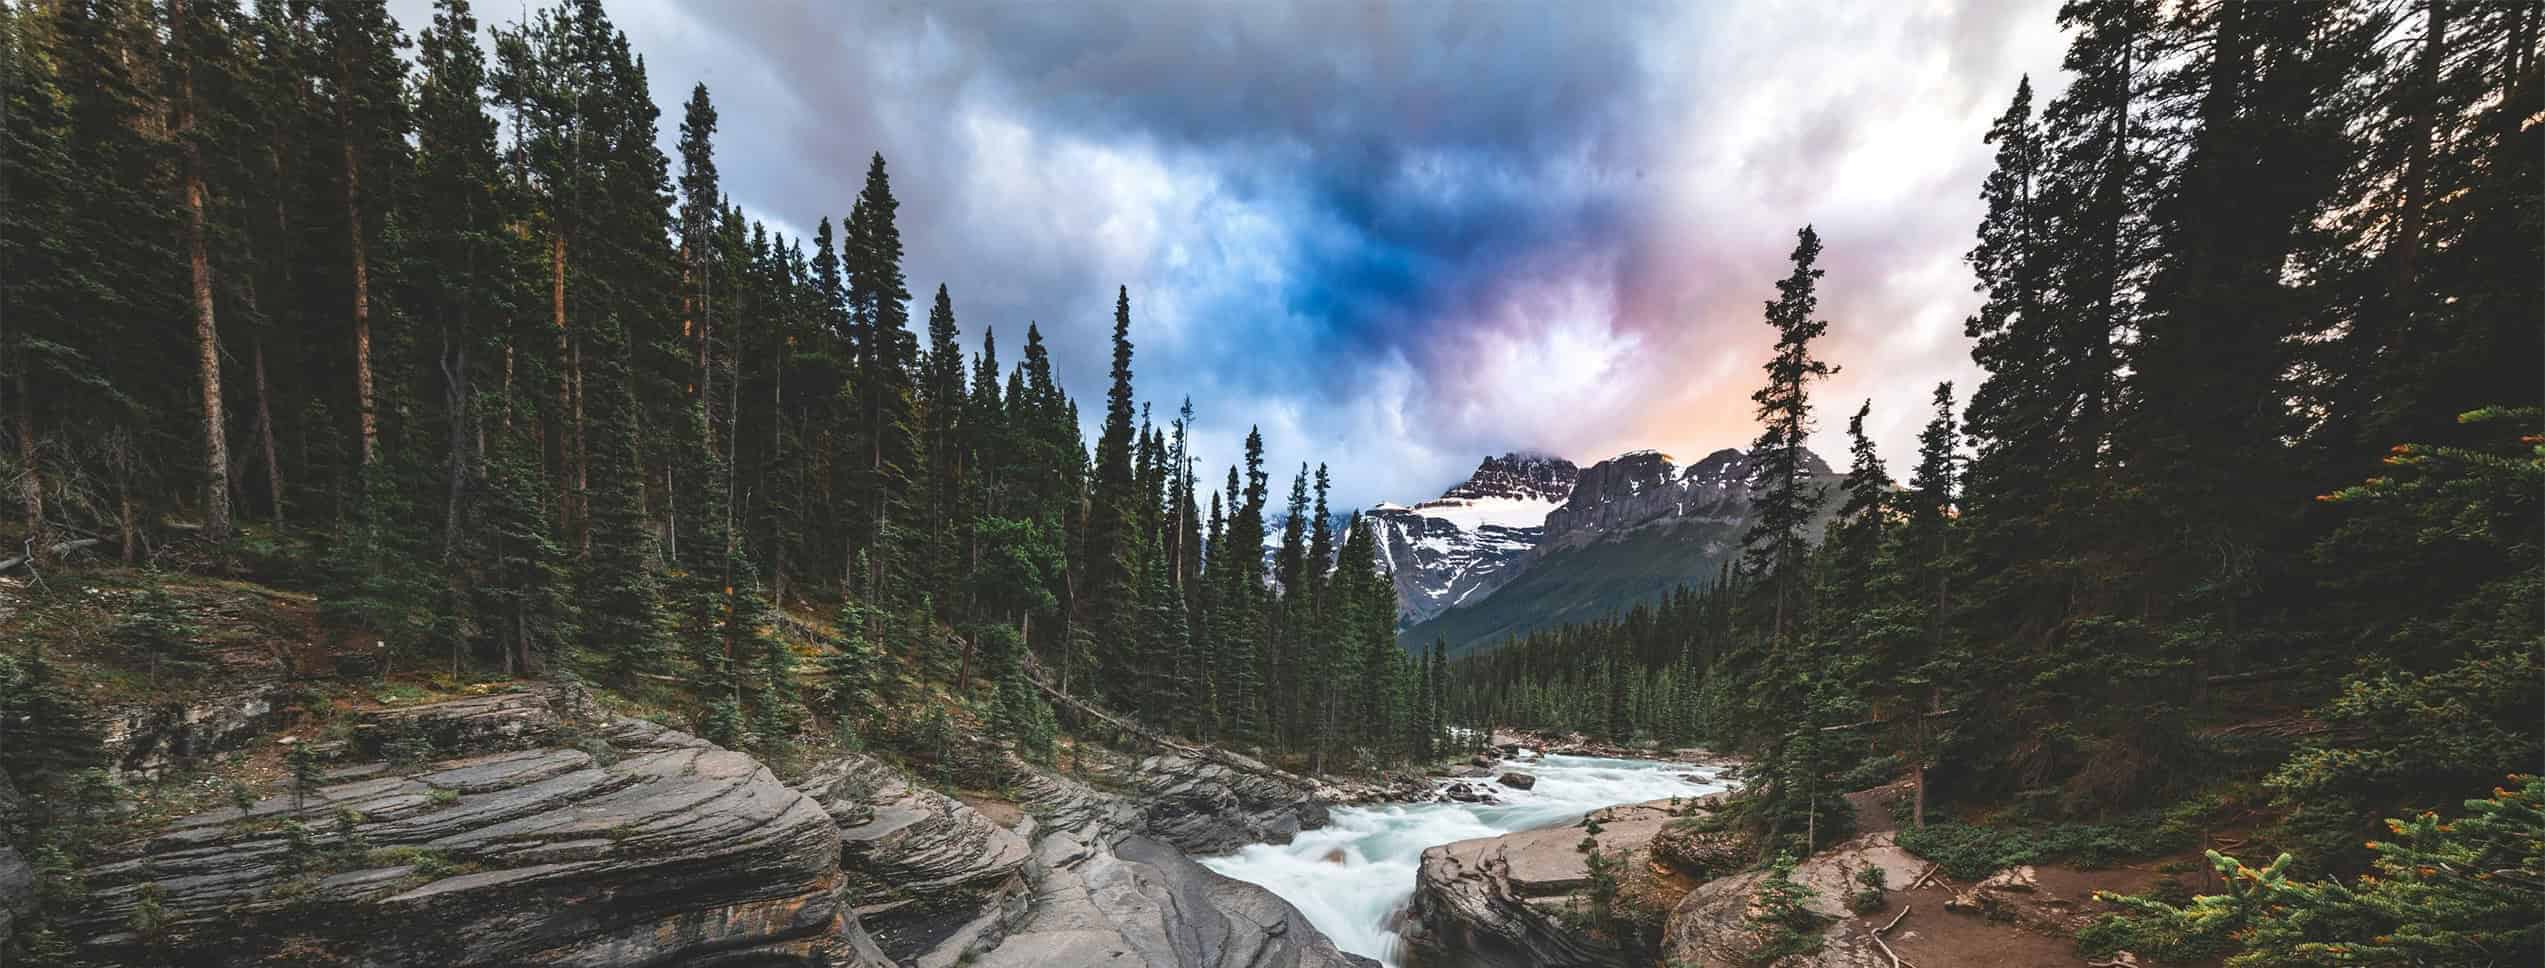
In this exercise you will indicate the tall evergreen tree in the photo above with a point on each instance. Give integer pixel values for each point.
(1784, 499)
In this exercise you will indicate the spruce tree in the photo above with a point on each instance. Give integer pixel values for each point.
(942, 406)
(1112, 508)
(1783, 498)
(623, 624)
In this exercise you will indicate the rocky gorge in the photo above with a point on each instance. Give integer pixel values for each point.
(533, 828)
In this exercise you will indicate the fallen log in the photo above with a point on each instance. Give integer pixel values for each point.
(1895, 920)
(1938, 714)
(1896, 960)
(56, 550)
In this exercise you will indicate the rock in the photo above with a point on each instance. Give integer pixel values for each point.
(13, 812)
(17, 877)
(1480, 761)
(1204, 807)
(2019, 879)
(146, 740)
(666, 850)
(2014, 895)
(17, 891)
(1383, 788)
(1710, 927)
(1518, 780)
(556, 716)
(1499, 902)
(930, 876)
(1107, 895)
(1705, 854)
(1470, 772)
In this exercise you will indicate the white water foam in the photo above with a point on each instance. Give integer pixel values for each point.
(1352, 876)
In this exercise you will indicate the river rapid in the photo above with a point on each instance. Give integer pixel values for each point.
(1353, 876)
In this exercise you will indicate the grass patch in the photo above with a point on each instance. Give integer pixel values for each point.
(1971, 852)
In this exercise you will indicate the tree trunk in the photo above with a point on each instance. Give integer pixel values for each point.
(31, 483)
(777, 453)
(265, 432)
(455, 396)
(2407, 244)
(582, 451)
(364, 401)
(207, 334)
(565, 383)
(127, 523)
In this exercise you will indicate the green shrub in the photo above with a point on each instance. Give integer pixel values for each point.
(1971, 852)
(2462, 892)
(1872, 882)
(1780, 916)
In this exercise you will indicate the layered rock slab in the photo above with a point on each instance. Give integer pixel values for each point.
(660, 850)
(1500, 902)
(932, 878)
(1106, 893)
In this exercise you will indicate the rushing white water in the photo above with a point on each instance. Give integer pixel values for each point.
(1352, 877)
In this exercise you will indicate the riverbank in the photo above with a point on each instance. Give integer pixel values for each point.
(1356, 878)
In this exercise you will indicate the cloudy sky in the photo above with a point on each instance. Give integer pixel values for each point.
(1397, 236)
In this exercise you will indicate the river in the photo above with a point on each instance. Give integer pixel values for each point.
(1354, 875)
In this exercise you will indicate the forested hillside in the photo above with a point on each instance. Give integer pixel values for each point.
(437, 334)
(428, 346)
(2244, 519)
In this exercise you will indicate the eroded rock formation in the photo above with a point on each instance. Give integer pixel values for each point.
(654, 847)
(1711, 928)
(1507, 902)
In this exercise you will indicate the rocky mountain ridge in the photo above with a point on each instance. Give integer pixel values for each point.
(1624, 530)
(1458, 546)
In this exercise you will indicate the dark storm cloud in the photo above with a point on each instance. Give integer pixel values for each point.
(1396, 235)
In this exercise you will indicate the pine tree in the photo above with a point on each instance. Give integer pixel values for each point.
(623, 626)
(457, 166)
(359, 46)
(524, 574)
(1112, 510)
(942, 403)
(885, 351)
(199, 56)
(1783, 499)
(1924, 558)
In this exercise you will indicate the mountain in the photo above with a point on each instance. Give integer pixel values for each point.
(1457, 547)
(1631, 528)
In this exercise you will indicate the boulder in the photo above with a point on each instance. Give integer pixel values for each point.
(1518, 780)
(1205, 807)
(148, 739)
(653, 847)
(17, 877)
(562, 716)
(17, 892)
(2015, 895)
(1501, 902)
(1710, 928)
(1705, 854)
(1106, 895)
(930, 876)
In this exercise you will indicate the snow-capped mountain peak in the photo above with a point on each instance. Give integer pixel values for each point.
(1452, 548)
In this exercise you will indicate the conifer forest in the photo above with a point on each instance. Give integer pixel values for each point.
(449, 528)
